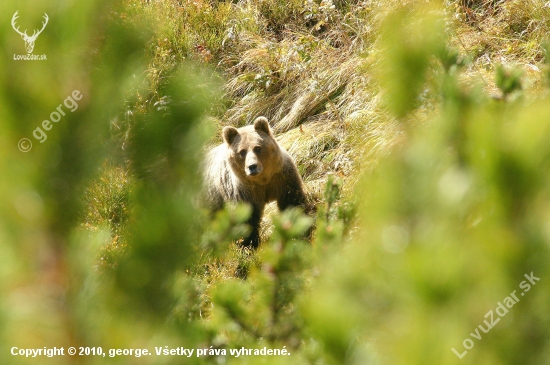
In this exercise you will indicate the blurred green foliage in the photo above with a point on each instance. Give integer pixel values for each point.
(508, 81)
(102, 242)
(450, 223)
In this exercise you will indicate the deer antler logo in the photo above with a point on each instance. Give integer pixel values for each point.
(29, 41)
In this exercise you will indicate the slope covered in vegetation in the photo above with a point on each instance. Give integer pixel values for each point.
(315, 68)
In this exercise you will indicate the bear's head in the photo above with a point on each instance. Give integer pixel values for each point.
(254, 155)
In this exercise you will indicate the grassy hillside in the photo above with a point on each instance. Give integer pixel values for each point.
(313, 68)
(324, 73)
(317, 71)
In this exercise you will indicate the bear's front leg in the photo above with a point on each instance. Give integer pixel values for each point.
(253, 239)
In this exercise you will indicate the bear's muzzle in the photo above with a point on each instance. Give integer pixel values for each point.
(254, 170)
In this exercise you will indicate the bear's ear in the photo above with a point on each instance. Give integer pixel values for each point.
(261, 124)
(229, 134)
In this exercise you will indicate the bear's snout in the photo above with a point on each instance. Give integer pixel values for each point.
(254, 169)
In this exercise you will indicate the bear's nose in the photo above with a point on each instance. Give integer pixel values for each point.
(253, 169)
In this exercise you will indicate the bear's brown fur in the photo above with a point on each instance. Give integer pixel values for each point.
(251, 167)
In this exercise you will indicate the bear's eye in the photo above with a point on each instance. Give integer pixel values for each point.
(242, 153)
(257, 149)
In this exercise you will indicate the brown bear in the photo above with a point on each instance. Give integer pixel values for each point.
(251, 167)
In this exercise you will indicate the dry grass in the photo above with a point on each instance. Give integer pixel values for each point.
(510, 33)
(303, 65)
(317, 98)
